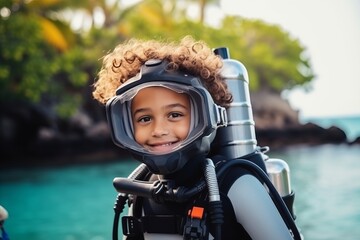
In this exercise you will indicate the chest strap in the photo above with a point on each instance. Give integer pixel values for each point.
(193, 226)
(168, 224)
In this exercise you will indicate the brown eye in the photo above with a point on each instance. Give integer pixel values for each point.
(176, 115)
(144, 119)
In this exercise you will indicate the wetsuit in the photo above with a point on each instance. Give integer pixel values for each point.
(249, 212)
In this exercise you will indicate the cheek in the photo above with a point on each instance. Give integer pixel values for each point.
(183, 130)
(183, 133)
(139, 135)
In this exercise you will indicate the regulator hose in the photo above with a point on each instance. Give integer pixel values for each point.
(157, 190)
(140, 172)
(215, 206)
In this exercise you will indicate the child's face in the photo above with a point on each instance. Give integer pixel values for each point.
(161, 118)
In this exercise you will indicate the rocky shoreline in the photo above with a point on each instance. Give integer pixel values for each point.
(28, 137)
(98, 146)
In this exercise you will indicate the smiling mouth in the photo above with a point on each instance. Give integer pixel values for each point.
(163, 147)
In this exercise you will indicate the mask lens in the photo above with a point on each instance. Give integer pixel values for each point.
(197, 122)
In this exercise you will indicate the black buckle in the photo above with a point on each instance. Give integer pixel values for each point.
(195, 227)
(131, 226)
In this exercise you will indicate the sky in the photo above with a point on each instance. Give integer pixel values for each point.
(330, 31)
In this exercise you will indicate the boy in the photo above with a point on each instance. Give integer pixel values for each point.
(164, 104)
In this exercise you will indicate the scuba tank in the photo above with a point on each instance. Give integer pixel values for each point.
(279, 174)
(238, 139)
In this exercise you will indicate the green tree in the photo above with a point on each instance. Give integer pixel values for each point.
(37, 55)
(24, 66)
(274, 59)
(41, 57)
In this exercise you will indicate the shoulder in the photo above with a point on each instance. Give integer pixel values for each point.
(230, 170)
(228, 177)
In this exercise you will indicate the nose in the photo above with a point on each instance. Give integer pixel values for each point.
(160, 129)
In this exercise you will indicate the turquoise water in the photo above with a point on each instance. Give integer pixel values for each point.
(66, 203)
(326, 180)
(75, 202)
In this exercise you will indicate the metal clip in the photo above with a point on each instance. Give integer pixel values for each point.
(131, 226)
(221, 116)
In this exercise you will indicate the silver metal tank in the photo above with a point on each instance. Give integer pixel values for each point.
(279, 174)
(238, 138)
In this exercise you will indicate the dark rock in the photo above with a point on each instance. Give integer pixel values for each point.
(272, 112)
(277, 124)
(310, 134)
(29, 135)
(356, 141)
(20, 122)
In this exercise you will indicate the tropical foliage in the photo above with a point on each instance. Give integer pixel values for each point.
(44, 58)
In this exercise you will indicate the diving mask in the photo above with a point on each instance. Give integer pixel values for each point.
(206, 116)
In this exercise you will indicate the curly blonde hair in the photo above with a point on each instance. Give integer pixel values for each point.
(193, 57)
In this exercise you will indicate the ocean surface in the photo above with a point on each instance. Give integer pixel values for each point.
(76, 202)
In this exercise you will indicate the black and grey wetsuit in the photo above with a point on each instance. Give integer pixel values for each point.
(249, 212)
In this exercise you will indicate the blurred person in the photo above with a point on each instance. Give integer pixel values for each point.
(3, 216)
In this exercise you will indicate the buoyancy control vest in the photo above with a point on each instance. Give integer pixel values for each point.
(173, 217)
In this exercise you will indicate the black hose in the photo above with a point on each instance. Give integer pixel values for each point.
(118, 208)
(216, 217)
(215, 206)
(139, 173)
